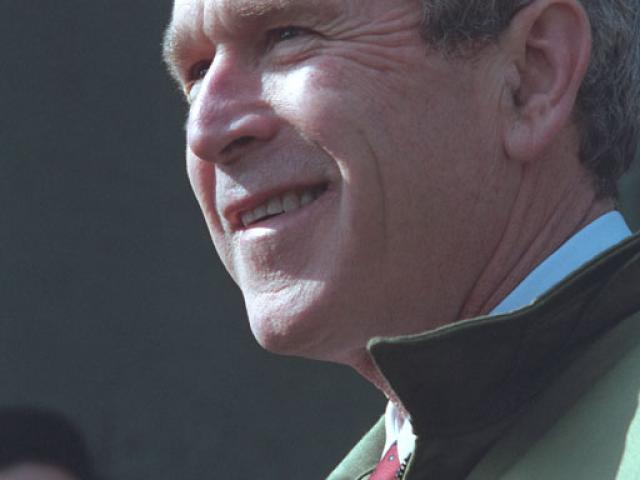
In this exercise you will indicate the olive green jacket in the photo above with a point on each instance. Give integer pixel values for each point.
(549, 392)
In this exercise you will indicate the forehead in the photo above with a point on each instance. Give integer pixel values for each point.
(216, 14)
(204, 22)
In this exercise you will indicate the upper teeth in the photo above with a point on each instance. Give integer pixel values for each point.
(288, 202)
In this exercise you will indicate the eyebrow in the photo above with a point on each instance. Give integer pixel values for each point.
(170, 51)
(247, 12)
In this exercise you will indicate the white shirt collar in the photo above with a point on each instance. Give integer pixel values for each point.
(595, 238)
(600, 235)
(398, 429)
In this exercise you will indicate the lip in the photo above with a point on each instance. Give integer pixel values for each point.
(233, 212)
(290, 226)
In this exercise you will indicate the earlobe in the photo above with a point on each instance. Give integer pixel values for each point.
(549, 43)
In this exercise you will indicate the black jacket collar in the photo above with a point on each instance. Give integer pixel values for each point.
(465, 383)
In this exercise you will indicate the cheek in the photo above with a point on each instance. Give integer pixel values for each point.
(303, 96)
(327, 107)
(316, 96)
(288, 91)
(202, 178)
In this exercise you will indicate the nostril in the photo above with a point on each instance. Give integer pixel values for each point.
(237, 143)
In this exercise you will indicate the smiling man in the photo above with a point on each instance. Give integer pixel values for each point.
(424, 190)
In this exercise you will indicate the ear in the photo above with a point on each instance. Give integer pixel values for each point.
(548, 44)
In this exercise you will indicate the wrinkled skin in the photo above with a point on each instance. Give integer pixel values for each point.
(403, 140)
(407, 147)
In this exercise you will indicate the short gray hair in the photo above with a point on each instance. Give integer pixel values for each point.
(608, 104)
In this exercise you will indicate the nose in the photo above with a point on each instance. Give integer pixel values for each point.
(229, 112)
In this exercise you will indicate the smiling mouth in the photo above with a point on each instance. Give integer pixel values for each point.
(281, 204)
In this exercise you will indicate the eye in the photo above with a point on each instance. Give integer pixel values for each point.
(283, 34)
(199, 70)
(194, 76)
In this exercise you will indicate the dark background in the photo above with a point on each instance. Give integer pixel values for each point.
(113, 306)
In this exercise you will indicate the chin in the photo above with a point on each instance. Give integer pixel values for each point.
(295, 328)
(271, 337)
(287, 334)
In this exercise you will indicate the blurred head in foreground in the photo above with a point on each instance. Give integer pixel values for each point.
(37, 444)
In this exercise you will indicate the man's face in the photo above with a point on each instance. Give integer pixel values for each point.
(343, 168)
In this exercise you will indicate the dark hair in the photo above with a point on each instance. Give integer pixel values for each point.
(608, 104)
(32, 435)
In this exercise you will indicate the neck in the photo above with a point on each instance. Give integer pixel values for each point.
(538, 225)
(365, 366)
(538, 236)
(555, 200)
